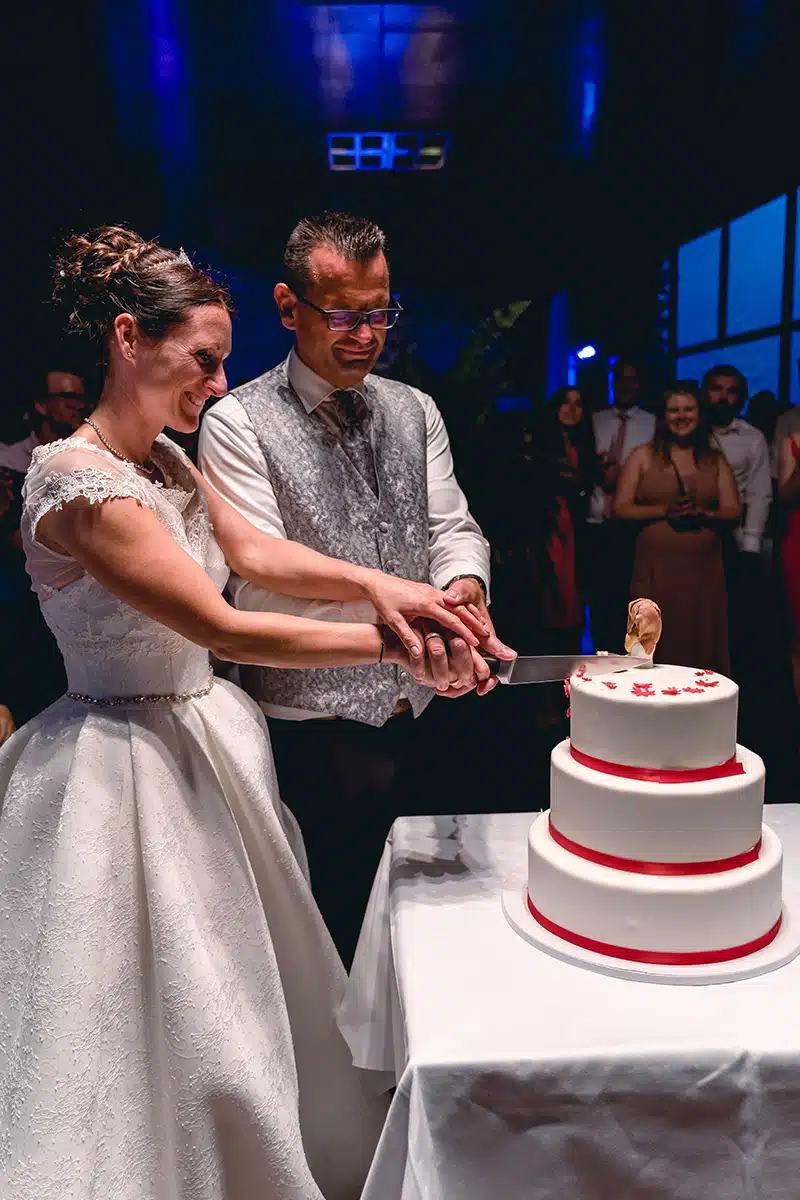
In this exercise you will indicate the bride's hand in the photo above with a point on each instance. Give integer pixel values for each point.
(449, 664)
(398, 602)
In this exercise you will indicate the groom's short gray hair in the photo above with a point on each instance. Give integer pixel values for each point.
(356, 239)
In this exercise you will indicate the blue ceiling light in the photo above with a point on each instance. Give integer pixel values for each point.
(376, 151)
(587, 352)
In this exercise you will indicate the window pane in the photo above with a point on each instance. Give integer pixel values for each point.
(755, 268)
(698, 289)
(758, 361)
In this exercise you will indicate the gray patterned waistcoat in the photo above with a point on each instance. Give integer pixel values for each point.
(327, 505)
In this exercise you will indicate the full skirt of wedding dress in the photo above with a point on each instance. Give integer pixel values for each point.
(167, 986)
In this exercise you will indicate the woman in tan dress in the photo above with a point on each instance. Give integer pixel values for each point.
(680, 488)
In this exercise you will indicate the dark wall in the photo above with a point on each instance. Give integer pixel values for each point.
(697, 115)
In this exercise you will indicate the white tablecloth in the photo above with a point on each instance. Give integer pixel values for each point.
(519, 1075)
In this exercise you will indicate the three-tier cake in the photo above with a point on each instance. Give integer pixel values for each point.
(654, 850)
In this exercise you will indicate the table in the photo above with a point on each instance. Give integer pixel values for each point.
(519, 1075)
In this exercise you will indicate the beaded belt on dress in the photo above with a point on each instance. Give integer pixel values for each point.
(125, 701)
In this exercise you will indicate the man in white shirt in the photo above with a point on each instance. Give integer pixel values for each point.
(724, 392)
(32, 665)
(618, 430)
(359, 467)
(57, 413)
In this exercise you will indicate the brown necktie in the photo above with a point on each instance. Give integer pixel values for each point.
(615, 452)
(352, 413)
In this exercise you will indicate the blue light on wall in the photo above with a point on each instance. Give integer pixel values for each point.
(698, 289)
(755, 268)
(376, 151)
(794, 369)
(589, 105)
(558, 339)
(586, 69)
(168, 79)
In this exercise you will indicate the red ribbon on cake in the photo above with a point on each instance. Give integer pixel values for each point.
(694, 958)
(696, 775)
(642, 867)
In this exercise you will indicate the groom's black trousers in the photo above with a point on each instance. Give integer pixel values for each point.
(346, 782)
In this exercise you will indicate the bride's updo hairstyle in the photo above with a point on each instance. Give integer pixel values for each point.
(112, 270)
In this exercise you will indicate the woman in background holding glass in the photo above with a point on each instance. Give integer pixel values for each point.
(682, 491)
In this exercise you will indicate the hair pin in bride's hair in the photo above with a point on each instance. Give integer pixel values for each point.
(183, 257)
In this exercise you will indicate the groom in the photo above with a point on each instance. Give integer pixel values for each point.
(359, 467)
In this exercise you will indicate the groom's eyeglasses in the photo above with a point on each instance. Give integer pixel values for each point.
(345, 320)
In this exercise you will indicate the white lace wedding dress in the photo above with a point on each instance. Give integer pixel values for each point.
(167, 986)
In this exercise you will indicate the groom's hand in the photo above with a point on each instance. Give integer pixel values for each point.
(470, 593)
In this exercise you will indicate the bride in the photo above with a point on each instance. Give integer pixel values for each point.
(167, 986)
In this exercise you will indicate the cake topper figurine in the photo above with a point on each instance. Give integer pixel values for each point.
(644, 627)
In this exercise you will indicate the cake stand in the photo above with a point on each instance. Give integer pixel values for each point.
(781, 950)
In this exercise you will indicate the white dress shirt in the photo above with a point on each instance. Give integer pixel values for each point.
(233, 461)
(640, 427)
(16, 456)
(746, 449)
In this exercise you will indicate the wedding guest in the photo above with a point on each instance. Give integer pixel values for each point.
(789, 493)
(789, 420)
(618, 430)
(679, 490)
(724, 392)
(579, 472)
(320, 450)
(35, 671)
(56, 413)
(763, 411)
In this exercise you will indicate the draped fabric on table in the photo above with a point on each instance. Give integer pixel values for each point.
(522, 1075)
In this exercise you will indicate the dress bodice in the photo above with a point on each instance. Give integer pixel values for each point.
(109, 648)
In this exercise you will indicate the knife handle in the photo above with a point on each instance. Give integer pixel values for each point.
(500, 667)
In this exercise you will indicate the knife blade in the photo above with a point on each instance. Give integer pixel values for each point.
(556, 667)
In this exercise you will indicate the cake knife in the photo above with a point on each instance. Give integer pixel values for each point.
(556, 667)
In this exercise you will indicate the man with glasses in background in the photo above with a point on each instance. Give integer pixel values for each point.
(359, 467)
(31, 668)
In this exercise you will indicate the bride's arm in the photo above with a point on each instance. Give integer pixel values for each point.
(294, 570)
(122, 545)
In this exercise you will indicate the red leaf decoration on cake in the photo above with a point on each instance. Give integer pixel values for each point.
(708, 683)
(698, 691)
(643, 689)
(609, 684)
(705, 671)
(567, 687)
(673, 691)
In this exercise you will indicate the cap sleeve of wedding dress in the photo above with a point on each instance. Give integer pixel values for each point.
(61, 473)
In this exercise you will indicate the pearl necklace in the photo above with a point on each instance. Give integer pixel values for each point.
(149, 467)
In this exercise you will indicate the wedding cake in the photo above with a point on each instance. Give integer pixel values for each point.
(653, 850)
